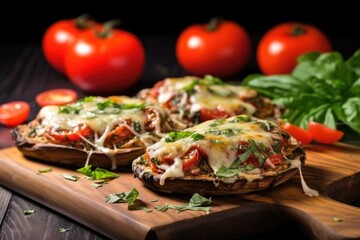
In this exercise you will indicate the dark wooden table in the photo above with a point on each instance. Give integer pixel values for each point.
(23, 74)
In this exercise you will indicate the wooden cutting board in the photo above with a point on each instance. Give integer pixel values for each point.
(332, 170)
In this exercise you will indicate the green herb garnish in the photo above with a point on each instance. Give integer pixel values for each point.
(174, 136)
(44, 170)
(70, 177)
(208, 80)
(97, 174)
(127, 197)
(29, 212)
(323, 88)
(196, 203)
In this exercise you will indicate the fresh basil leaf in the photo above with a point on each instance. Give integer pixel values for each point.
(70, 109)
(355, 88)
(322, 114)
(123, 197)
(100, 173)
(351, 113)
(196, 203)
(276, 85)
(85, 170)
(311, 56)
(354, 62)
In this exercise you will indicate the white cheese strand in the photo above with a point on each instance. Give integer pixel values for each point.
(174, 170)
(308, 191)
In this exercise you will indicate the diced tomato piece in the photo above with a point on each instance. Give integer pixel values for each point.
(276, 159)
(209, 114)
(118, 134)
(71, 136)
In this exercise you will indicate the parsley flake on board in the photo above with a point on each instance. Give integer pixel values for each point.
(70, 177)
(127, 197)
(196, 203)
(29, 212)
(63, 230)
(97, 174)
(44, 170)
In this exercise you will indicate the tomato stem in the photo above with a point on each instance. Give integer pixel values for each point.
(82, 22)
(214, 24)
(298, 30)
(107, 27)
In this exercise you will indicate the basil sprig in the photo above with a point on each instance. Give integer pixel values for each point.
(323, 88)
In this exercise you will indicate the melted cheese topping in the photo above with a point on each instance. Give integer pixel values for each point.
(218, 147)
(224, 97)
(101, 121)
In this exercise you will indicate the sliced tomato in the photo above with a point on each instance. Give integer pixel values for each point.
(14, 113)
(59, 96)
(300, 134)
(154, 91)
(71, 136)
(324, 134)
(119, 134)
(276, 159)
(192, 159)
(209, 114)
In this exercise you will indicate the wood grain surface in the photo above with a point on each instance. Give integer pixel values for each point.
(333, 170)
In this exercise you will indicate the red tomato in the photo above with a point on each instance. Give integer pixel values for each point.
(74, 135)
(59, 36)
(283, 44)
(324, 134)
(298, 133)
(209, 114)
(59, 96)
(14, 113)
(193, 158)
(276, 159)
(105, 62)
(219, 48)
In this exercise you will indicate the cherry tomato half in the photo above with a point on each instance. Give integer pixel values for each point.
(209, 114)
(75, 135)
(324, 134)
(59, 36)
(59, 96)
(14, 113)
(300, 134)
(280, 47)
(219, 48)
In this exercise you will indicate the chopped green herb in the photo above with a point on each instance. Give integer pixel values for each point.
(136, 126)
(227, 132)
(216, 141)
(70, 109)
(174, 136)
(44, 170)
(100, 173)
(70, 177)
(87, 99)
(127, 197)
(196, 203)
(208, 80)
(85, 170)
(29, 212)
(217, 122)
(97, 174)
(99, 183)
(230, 172)
(241, 118)
(63, 230)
